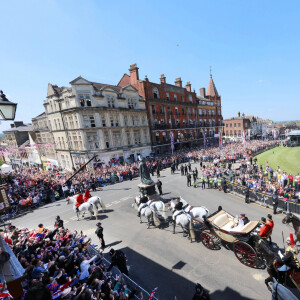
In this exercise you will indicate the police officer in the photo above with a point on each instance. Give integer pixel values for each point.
(275, 202)
(203, 182)
(178, 207)
(247, 195)
(99, 233)
(118, 259)
(189, 179)
(159, 186)
(58, 222)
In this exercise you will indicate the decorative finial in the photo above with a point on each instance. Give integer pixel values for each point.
(210, 71)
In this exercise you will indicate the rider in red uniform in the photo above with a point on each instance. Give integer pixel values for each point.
(265, 230)
(79, 200)
(86, 195)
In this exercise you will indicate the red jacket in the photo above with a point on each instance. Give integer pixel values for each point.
(79, 200)
(86, 195)
(265, 231)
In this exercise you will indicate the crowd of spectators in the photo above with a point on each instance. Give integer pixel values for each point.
(58, 265)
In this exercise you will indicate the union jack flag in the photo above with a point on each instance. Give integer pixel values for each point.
(220, 140)
(153, 293)
(5, 293)
(244, 137)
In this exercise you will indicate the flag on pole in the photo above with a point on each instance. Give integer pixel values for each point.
(5, 293)
(244, 137)
(153, 293)
(220, 140)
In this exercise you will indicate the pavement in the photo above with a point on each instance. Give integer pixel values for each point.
(159, 258)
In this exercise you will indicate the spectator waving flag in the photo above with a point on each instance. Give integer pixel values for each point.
(244, 137)
(153, 293)
(220, 140)
(4, 293)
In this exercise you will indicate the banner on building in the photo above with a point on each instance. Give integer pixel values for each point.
(4, 202)
(204, 138)
(244, 137)
(220, 140)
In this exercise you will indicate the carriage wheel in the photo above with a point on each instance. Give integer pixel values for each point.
(245, 254)
(207, 240)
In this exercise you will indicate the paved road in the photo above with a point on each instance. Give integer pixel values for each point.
(156, 257)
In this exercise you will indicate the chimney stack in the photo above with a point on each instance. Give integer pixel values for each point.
(188, 86)
(239, 114)
(243, 115)
(134, 74)
(178, 82)
(202, 92)
(162, 78)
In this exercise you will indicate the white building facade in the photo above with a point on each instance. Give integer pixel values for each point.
(91, 118)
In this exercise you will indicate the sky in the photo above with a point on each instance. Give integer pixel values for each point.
(253, 48)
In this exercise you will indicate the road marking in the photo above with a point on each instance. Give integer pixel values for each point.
(65, 222)
(115, 202)
(73, 218)
(108, 205)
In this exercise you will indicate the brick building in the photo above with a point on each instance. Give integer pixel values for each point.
(173, 108)
(234, 127)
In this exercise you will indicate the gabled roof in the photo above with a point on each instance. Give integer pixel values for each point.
(211, 90)
(102, 86)
(80, 80)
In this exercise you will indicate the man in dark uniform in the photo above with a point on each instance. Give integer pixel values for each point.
(144, 199)
(99, 233)
(159, 186)
(118, 259)
(189, 179)
(58, 222)
(275, 202)
(177, 208)
(185, 170)
(247, 195)
(224, 184)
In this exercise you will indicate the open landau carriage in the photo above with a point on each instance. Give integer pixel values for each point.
(221, 226)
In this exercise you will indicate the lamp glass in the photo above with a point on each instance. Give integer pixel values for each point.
(8, 111)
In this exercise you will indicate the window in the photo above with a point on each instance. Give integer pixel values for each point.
(200, 112)
(169, 111)
(230, 124)
(219, 112)
(183, 113)
(85, 100)
(116, 139)
(93, 141)
(55, 124)
(137, 138)
(131, 103)
(246, 125)
(234, 124)
(110, 102)
(212, 112)
(176, 111)
(145, 135)
(226, 124)
(114, 121)
(168, 96)
(143, 120)
(175, 97)
(125, 121)
(89, 121)
(230, 132)
(128, 138)
(155, 93)
(153, 109)
(189, 111)
(182, 99)
(161, 109)
(135, 120)
(190, 98)
(106, 139)
(103, 121)
(239, 124)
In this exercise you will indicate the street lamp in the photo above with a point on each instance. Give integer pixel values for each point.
(7, 108)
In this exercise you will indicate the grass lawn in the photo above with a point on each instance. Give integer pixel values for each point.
(287, 158)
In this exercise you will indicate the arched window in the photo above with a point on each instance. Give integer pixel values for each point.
(155, 93)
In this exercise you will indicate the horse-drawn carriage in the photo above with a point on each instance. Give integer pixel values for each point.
(221, 226)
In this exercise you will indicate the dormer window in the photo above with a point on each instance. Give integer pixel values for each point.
(167, 96)
(131, 103)
(190, 98)
(155, 93)
(111, 102)
(85, 100)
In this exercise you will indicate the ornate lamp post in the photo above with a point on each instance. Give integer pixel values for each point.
(7, 108)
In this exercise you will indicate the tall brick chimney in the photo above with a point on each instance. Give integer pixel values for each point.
(162, 78)
(188, 86)
(178, 82)
(202, 92)
(239, 114)
(134, 74)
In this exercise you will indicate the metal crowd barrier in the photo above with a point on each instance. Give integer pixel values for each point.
(131, 285)
(264, 199)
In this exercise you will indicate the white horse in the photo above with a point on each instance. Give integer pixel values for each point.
(193, 211)
(96, 201)
(150, 210)
(84, 207)
(185, 221)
